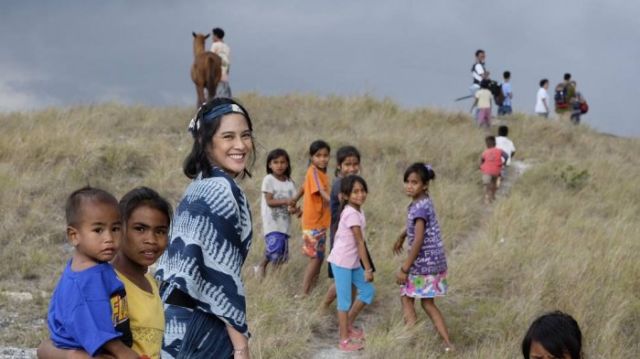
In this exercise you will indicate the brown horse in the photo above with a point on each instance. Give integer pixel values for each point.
(206, 69)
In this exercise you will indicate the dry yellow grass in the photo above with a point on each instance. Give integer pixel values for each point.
(565, 238)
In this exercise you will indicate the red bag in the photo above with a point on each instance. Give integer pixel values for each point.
(584, 107)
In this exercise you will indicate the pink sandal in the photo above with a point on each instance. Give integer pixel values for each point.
(348, 345)
(356, 333)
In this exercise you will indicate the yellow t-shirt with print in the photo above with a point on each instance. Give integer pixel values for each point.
(146, 317)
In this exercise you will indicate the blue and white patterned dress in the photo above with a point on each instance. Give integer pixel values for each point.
(210, 239)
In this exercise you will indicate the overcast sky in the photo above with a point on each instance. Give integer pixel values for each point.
(418, 53)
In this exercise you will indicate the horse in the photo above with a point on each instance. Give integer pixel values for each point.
(206, 69)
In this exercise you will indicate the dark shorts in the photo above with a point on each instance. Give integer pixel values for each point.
(504, 110)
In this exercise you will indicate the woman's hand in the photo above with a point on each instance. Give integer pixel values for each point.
(401, 277)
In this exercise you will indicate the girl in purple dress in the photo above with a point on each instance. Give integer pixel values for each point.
(423, 274)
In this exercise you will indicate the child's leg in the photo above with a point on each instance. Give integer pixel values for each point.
(429, 306)
(342, 278)
(330, 296)
(311, 275)
(366, 291)
(408, 311)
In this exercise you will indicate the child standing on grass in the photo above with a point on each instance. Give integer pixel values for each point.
(277, 192)
(347, 258)
(483, 103)
(316, 215)
(491, 168)
(423, 274)
(348, 163)
(88, 308)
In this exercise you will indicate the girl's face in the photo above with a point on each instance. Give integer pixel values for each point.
(145, 236)
(231, 145)
(537, 351)
(279, 166)
(350, 166)
(358, 195)
(414, 187)
(320, 159)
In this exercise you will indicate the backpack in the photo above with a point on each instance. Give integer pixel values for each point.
(560, 97)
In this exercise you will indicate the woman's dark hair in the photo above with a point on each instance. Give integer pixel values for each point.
(197, 161)
(557, 332)
(543, 81)
(279, 152)
(143, 196)
(343, 153)
(423, 170)
(346, 187)
(317, 145)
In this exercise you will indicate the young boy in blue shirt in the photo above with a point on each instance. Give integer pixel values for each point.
(88, 308)
(505, 108)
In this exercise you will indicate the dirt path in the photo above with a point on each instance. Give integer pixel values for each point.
(326, 339)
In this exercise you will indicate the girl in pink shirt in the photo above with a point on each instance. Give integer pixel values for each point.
(348, 257)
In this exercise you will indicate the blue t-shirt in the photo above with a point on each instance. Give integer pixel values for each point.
(506, 91)
(88, 309)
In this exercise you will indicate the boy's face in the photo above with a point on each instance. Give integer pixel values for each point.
(97, 234)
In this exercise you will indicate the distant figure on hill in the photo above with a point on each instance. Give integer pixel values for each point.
(478, 71)
(553, 335)
(507, 94)
(423, 273)
(205, 70)
(220, 48)
(542, 99)
(578, 105)
(563, 98)
(483, 99)
(491, 168)
(508, 149)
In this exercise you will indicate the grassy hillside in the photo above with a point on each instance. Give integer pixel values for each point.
(566, 237)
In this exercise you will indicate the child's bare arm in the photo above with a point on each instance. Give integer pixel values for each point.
(415, 247)
(325, 195)
(119, 350)
(297, 197)
(362, 253)
(272, 202)
(397, 246)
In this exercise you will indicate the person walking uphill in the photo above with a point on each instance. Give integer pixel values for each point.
(220, 48)
(564, 97)
(201, 287)
(478, 71)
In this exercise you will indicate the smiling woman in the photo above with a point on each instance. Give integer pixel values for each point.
(209, 241)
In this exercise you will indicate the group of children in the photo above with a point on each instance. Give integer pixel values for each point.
(337, 211)
(494, 160)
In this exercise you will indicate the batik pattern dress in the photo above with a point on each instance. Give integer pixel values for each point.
(200, 270)
(428, 274)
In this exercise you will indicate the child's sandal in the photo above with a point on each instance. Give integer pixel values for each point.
(348, 345)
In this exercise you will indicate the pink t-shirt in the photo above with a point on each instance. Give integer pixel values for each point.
(492, 164)
(345, 249)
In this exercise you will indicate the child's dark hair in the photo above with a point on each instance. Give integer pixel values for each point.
(203, 130)
(143, 196)
(506, 75)
(490, 141)
(346, 187)
(479, 51)
(317, 145)
(543, 82)
(343, 153)
(218, 32)
(557, 332)
(567, 76)
(423, 170)
(503, 131)
(73, 206)
(279, 152)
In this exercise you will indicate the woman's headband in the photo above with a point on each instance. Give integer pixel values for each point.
(215, 112)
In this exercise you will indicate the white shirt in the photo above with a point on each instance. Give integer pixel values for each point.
(478, 71)
(507, 146)
(221, 49)
(276, 219)
(542, 95)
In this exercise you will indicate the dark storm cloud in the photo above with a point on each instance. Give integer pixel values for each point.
(418, 53)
